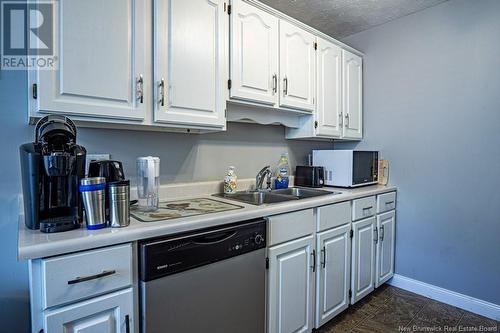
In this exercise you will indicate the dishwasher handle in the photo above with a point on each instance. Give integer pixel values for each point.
(214, 238)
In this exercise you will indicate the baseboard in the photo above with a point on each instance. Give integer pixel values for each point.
(461, 301)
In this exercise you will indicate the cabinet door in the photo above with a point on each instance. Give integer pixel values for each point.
(290, 286)
(254, 54)
(297, 67)
(100, 50)
(334, 271)
(353, 95)
(111, 313)
(189, 62)
(329, 83)
(386, 225)
(363, 258)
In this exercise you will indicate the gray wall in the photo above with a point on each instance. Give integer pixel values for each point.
(183, 158)
(432, 106)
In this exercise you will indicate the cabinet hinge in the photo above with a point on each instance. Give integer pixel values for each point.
(315, 45)
(350, 293)
(267, 263)
(228, 9)
(351, 233)
(225, 113)
(229, 84)
(35, 91)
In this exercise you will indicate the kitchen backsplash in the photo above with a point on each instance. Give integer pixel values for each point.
(193, 157)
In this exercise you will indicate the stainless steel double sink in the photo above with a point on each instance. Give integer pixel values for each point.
(275, 196)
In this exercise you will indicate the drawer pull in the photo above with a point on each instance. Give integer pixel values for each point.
(367, 208)
(323, 251)
(313, 255)
(91, 277)
(389, 203)
(127, 324)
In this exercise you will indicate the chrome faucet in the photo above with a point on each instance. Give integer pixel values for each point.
(259, 179)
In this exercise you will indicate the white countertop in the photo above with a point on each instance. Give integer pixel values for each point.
(34, 244)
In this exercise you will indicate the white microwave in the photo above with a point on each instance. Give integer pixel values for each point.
(347, 168)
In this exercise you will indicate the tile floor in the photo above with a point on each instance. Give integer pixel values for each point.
(390, 309)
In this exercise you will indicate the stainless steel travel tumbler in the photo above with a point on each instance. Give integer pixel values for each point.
(119, 203)
(93, 197)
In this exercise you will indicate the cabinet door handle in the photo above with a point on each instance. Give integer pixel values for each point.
(347, 120)
(285, 86)
(375, 231)
(275, 83)
(382, 233)
(313, 254)
(127, 324)
(140, 89)
(91, 277)
(161, 86)
(323, 252)
(341, 118)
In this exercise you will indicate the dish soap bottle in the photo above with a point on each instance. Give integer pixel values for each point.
(282, 172)
(230, 181)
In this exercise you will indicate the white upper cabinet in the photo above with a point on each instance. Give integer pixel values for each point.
(102, 66)
(189, 75)
(353, 95)
(329, 89)
(297, 67)
(254, 54)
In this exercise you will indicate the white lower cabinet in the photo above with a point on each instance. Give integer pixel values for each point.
(363, 258)
(111, 313)
(315, 272)
(290, 286)
(333, 272)
(84, 292)
(386, 226)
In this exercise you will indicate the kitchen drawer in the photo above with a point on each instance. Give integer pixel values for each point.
(386, 202)
(363, 208)
(334, 215)
(285, 227)
(76, 276)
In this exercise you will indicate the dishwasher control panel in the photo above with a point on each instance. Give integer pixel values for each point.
(250, 242)
(162, 257)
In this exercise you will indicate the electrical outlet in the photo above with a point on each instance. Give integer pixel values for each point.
(95, 157)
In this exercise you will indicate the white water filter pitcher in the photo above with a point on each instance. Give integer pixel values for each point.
(148, 182)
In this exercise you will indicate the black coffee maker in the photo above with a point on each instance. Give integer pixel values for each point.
(51, 169)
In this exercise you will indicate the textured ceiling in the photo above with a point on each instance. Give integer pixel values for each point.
(341, 18)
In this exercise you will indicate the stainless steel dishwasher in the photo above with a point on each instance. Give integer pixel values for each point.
(205, 281)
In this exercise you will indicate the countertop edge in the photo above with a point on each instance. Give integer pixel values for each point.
(108, 236)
